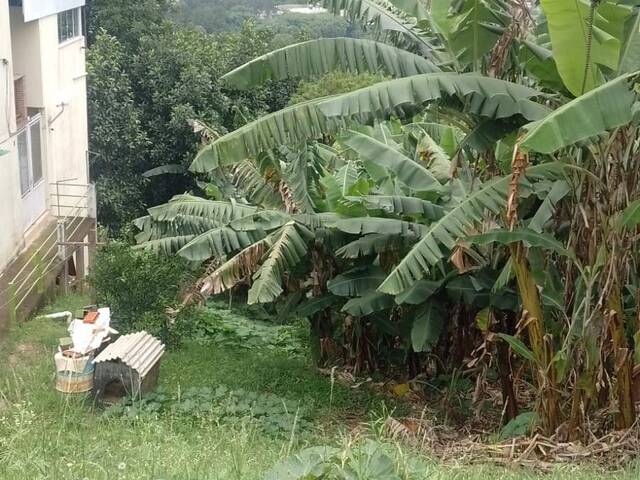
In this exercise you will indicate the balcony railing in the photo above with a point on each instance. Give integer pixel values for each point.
(74, 206)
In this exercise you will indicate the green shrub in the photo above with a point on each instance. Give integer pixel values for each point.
(271, 413)
(139, 286)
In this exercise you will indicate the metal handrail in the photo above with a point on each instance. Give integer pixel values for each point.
(38, 272)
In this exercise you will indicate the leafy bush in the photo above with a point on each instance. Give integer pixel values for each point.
(139, 286)
(367, 459)
(224, 327)
(271, 413)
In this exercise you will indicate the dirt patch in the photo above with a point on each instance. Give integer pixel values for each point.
(23, 353)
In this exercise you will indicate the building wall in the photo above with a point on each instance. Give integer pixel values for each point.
(25, 42)
(10, 219)
(55, 77)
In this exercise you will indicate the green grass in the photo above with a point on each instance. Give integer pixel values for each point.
(45, 435)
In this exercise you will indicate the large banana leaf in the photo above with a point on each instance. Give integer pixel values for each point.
(289, 247)
(356, 282)
(488, 97)
(248, 179)
(419, 292)
(218, 243)
(630, 53)
(288, 126)
(301, 174)
(434, 156)
(558, 191)
(166, 245)
(314, 305)
(585, 117)
(570, 39)
(367, 225)
(527, 236)
(470, 40)
(410, 173)
(631, 215)
(484, 96)
(401, 205)
(441, 236)
(238, 268)
(316, 57)
(376, 243)
(367, 304)
(189, 205)
(179, 225)
(426, 328)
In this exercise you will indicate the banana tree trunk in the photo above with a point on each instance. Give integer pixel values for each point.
(623, 365)
(545, 373)
(505, 372)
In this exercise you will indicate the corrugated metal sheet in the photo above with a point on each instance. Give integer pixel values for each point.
(139, 351)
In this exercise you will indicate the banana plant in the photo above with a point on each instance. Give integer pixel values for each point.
(407, 213)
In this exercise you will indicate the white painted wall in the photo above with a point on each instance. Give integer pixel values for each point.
(25, 40)
(10, 219)
(56, 83)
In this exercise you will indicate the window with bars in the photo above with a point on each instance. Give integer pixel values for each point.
(30, 156)
(69, 24)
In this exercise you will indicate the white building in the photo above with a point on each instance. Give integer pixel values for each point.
(43, 141)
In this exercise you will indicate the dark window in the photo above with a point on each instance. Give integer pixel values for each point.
(69, 25)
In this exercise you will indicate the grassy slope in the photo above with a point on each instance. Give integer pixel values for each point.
(46, 435)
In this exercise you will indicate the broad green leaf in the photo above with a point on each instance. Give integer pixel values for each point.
(288, 248)
(311, 59)
(401, 205)
(482, 319)
(356, 282)
(218, 243)
(631, 215)
(434, 157)
(376, 243)
(519, 426)
(484, 96)
(469, 290)
(558, 191)
(630, 54)
(470, 40)
(250, 180)
(410, 173)
(568, 28)
(426, 328)
(442, 235)
(524, 235)
(311, 463)
(419, 292)
(367, 304)
(585, 117)
(315, 304)
(505, 276)
(164, 169)
(187, 205)
(167, 245)
(291, 125)
(368, 225)
(518, 347)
